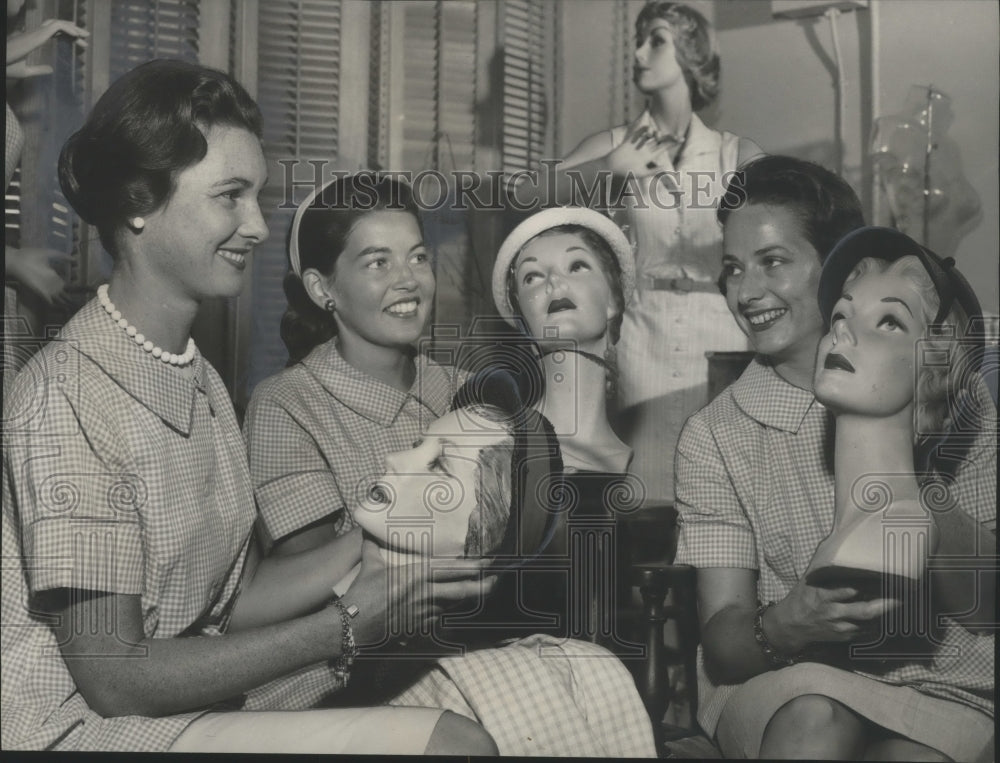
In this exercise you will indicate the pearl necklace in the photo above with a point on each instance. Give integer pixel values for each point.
(133, 333)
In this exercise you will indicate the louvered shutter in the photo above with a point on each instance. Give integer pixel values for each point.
(145, 29)
(299, 44)
(525, 115)
(68, 108)
(439, 92)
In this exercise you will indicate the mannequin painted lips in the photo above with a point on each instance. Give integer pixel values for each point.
(558, 305)
(837, 362)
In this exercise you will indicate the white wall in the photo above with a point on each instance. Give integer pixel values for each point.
(779, 88)
(954, 45)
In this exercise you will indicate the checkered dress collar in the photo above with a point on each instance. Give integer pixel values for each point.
(770, 400)
(371, 398)
(155, 385)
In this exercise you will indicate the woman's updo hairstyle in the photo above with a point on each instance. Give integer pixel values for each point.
(316, 240)
(694, 40)
(146, 128)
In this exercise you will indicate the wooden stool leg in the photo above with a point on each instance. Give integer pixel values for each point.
(688, 636)
(655, 690)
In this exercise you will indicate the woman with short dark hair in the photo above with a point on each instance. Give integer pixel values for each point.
(357, 389)
(787, 667)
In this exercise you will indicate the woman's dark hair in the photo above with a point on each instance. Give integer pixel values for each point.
(147, 127)
(321, 237)
(609, 266)
(826, 207)
(694, 42)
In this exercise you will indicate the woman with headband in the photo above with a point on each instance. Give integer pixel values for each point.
(356, 390)
(141, 616)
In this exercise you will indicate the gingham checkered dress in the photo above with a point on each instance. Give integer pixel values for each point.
(119, 475)
(755, 491)
(317, 434)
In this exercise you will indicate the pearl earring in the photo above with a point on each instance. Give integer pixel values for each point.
(138, 223)
(330, 306)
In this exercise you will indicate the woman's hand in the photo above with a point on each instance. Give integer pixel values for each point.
(32, 268)
(811, 615)
(20, 45)
(409, 598)
(642, 153)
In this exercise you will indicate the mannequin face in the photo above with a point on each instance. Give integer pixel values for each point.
(866, 361)
(655, 65)
(423, 502)
(563, 291)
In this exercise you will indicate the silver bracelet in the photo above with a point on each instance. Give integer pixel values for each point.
(348, 646)
(775, 657)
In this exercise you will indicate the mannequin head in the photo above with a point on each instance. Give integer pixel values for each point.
(478, 483)
(449, 495)
(904, 315)
(688, 37)
(565, 274)
(866, 361)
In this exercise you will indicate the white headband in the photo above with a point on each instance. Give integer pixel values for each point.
(293, 242)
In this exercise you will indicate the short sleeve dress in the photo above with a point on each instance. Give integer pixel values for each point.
(317, 434)
(755, 490)
(119, 475)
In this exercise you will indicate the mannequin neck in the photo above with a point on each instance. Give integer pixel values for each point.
(869, 448)
(671, 111)
(575, 402)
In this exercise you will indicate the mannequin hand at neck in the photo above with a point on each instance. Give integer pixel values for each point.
(642, 154)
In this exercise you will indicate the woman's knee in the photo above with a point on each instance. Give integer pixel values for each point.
(813, 726)
(457, 735)
(814, 712)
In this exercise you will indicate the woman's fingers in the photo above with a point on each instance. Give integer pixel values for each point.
(635, 128)
(460, 590)
(63, 26)
(845, 593)
(459, 568)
